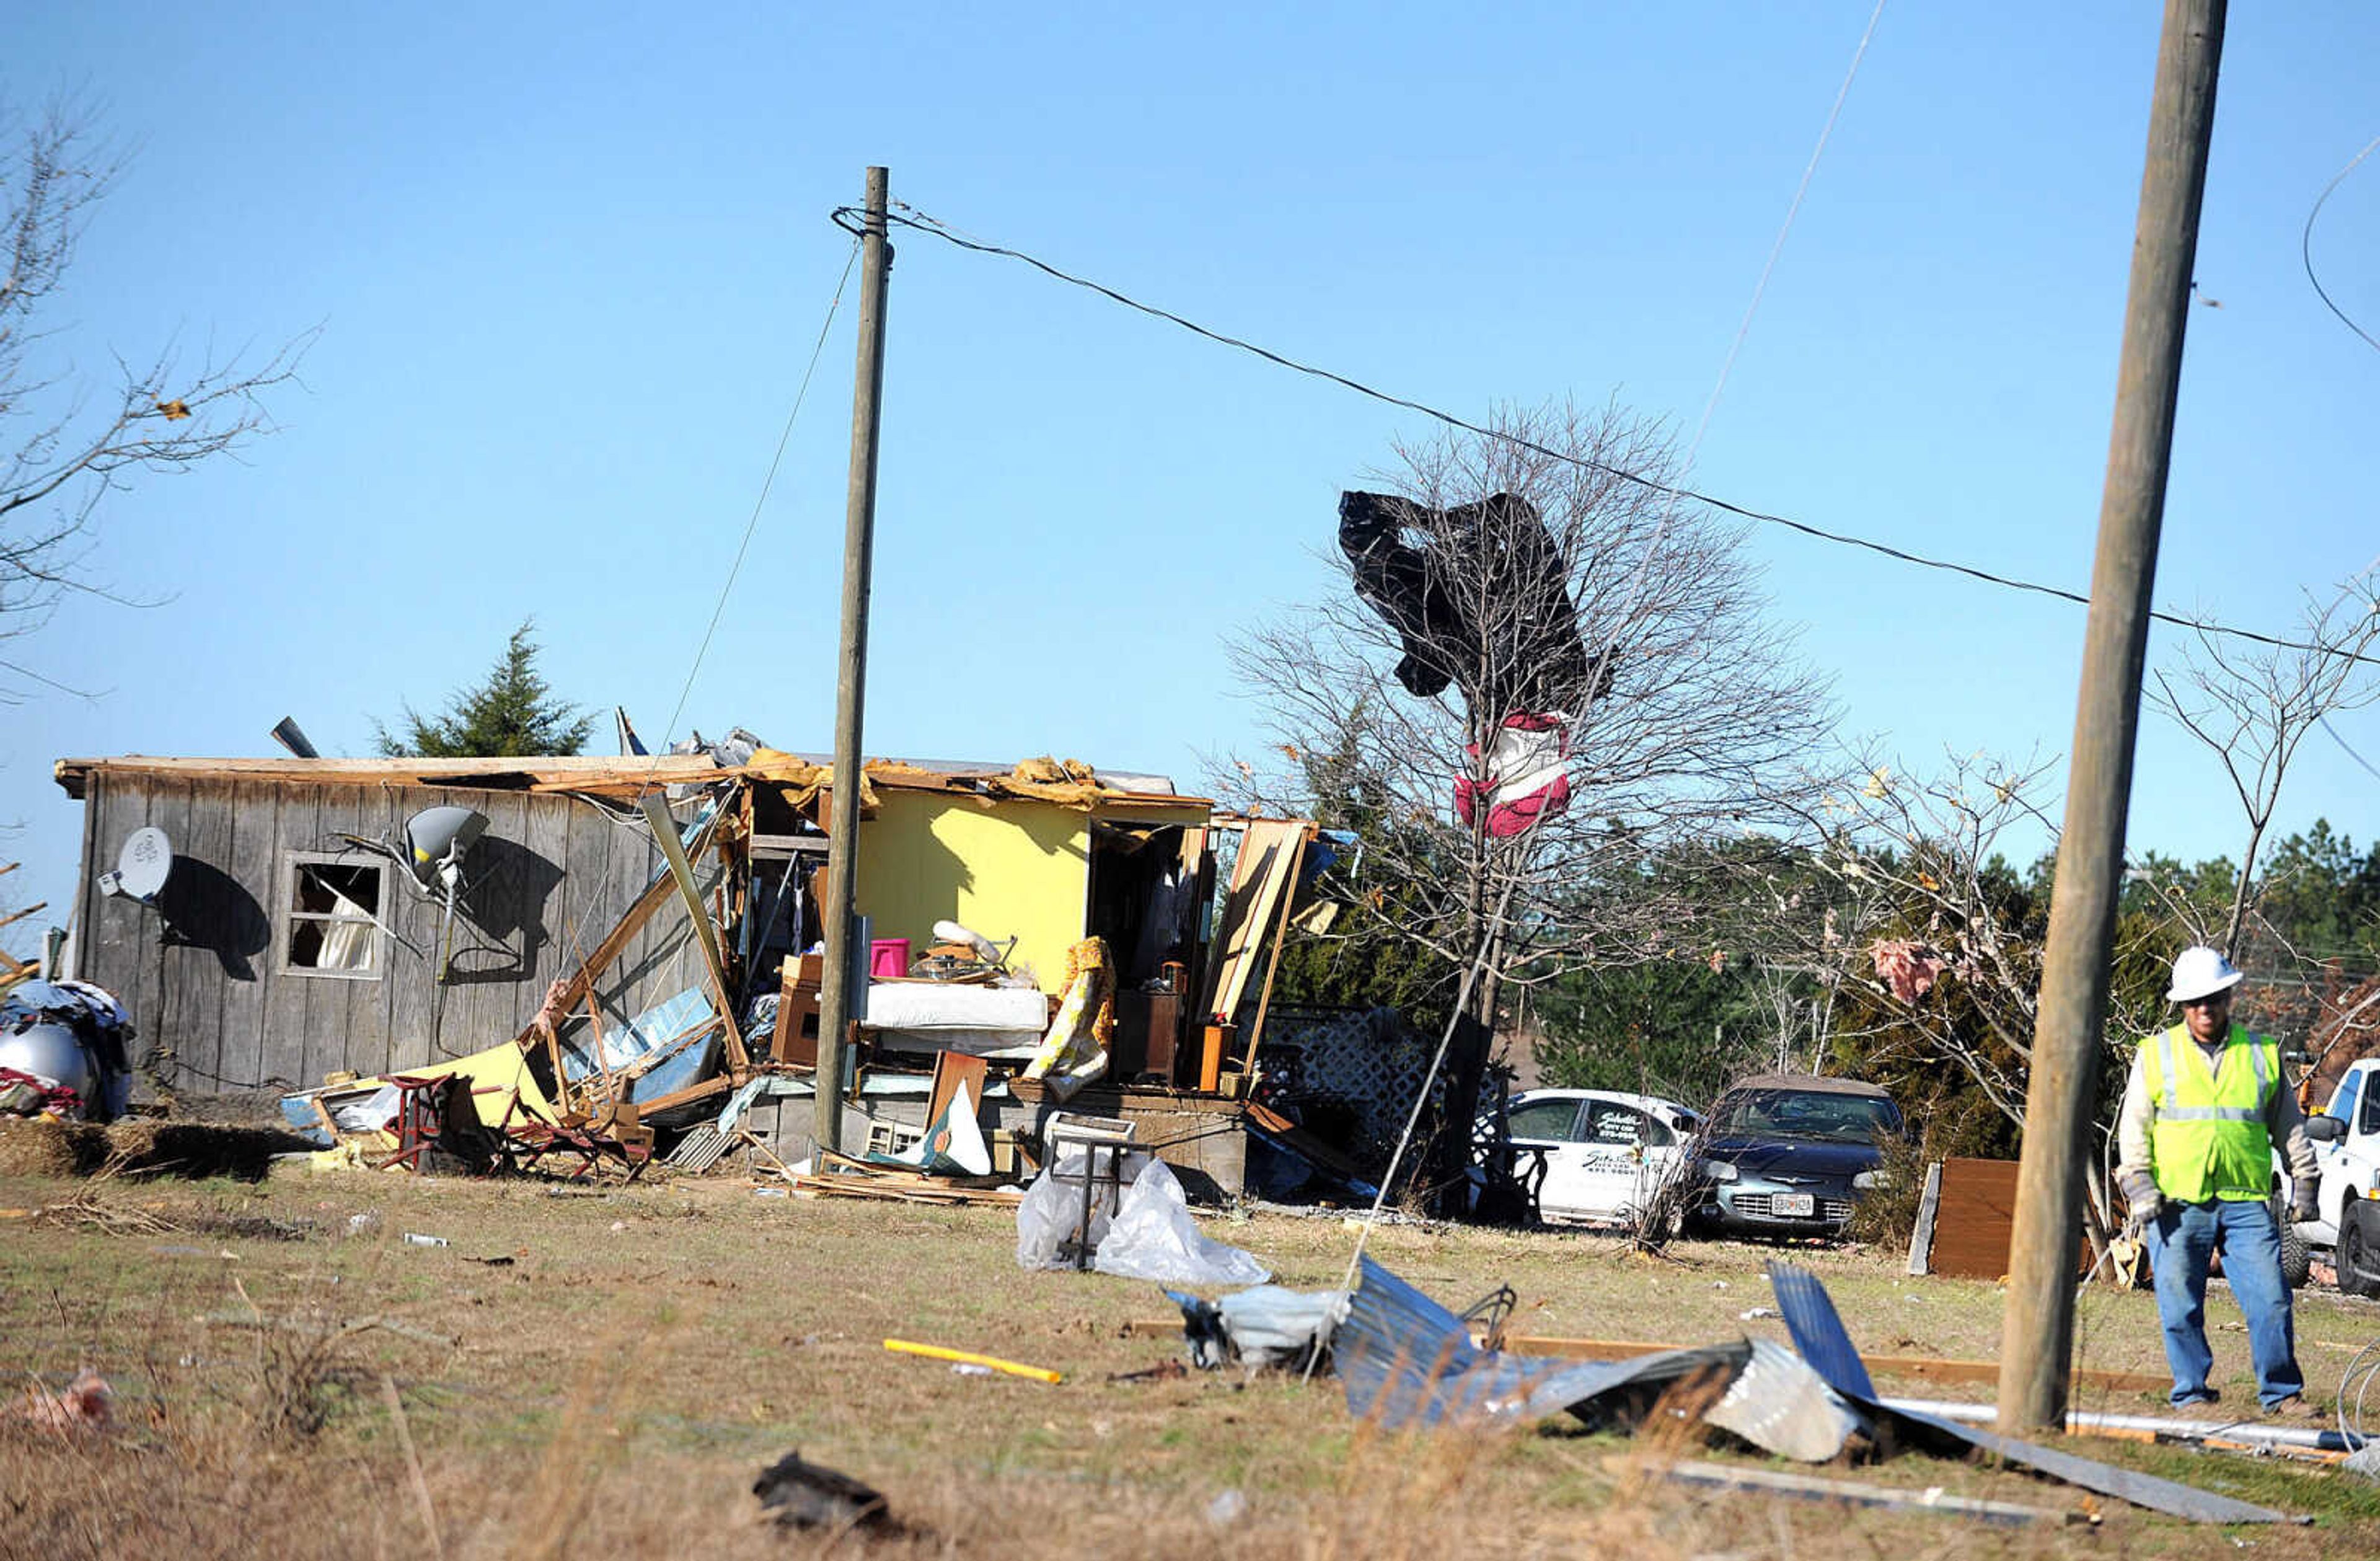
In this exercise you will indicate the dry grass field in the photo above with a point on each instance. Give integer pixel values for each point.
(597, 1373)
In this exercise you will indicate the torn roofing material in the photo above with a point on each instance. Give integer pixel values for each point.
(1819, 1335)
(1779, 1403)
(1408, 1361)
(1068, 784)
(1828, 1349)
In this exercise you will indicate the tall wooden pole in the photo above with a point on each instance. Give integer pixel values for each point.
(2037, 1327)
(850, 671)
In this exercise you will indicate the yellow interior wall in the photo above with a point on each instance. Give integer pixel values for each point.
(1020, 869)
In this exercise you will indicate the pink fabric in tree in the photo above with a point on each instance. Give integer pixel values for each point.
(1527, 776)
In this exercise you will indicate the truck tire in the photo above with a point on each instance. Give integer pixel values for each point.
(2296, 1261)
(2359, 1248)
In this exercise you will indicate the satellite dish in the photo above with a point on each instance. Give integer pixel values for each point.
(141, 867)
(438, 838)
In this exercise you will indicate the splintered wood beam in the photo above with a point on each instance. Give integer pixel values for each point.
(716, 1084)
(1272, 966)
(681, 872)
(20, 915)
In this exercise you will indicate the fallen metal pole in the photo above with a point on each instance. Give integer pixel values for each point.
(2258, 1432)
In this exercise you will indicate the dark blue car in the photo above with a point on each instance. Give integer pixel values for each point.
(1788, 1153)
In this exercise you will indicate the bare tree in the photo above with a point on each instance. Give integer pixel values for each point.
(1933, 948)
(67, 439)
(1544, 676)
(2253, 705)
(1947, 959)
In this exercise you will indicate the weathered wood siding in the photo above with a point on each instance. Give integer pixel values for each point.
(204, 974)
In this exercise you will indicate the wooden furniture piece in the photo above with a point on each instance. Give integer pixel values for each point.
(1148, 1032)
(1203, 1069)
(950, 1070)
(795, 1039)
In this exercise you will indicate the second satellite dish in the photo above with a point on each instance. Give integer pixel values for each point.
(141, 867)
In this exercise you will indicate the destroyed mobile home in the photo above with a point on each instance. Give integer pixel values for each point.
(500, 959)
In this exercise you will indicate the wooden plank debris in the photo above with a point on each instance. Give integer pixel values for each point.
(1928, 1367)
(1929, 1205)
(1974, 1218)
(839, 1175)
(1268, 859)
(952, 1070)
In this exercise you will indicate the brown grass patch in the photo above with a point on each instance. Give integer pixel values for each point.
(44, 1146)
(616, 1387)
(138, 1146)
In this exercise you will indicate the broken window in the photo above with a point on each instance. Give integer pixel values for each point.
(332, 926)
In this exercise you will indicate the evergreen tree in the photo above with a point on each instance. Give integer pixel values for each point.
(511, 714)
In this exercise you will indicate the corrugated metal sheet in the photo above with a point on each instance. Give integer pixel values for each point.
(1780, 1404)
(1817, 1329)
(1818, 1333)
(1406, 1360)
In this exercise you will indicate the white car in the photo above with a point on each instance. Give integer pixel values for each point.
(2347, 1219)
(1605, 1152)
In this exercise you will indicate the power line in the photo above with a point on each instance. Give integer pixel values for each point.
(2349, 752)
(766, 483)
(2305, 241)
(910, 218)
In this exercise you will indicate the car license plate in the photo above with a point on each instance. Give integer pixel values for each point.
(1794, 1205)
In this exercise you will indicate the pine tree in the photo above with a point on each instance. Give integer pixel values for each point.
(512, 713)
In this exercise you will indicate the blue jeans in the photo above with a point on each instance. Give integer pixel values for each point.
(2181, 1242)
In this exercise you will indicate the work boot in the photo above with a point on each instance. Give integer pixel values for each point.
(2293, 1407)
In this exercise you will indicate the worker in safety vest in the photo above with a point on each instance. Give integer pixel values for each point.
(2206, 1103)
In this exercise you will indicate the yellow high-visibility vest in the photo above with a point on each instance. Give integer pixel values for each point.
(2208, 1138)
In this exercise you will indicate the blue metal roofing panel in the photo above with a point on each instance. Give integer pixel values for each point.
(1817, 1329)
(1406, 1360)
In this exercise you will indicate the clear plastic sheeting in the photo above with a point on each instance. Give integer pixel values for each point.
(1150, 1235)
(371, 1113)
(1268, 1326)
(1049, 1218)
(1154, 1236)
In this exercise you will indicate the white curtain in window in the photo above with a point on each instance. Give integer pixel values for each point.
(346, 946)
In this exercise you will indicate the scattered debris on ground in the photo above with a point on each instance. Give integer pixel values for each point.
(797, 1495)
(86, 1404)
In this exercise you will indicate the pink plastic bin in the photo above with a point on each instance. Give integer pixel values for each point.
(888, 956)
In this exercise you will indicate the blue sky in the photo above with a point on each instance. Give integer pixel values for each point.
(568, 263)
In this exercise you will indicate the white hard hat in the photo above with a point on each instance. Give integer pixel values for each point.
(2200, 971)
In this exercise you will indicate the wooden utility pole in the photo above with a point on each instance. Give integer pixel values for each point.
(850, 671)
(2037, 1327)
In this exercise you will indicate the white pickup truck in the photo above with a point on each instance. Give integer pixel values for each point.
(2347, 1143)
